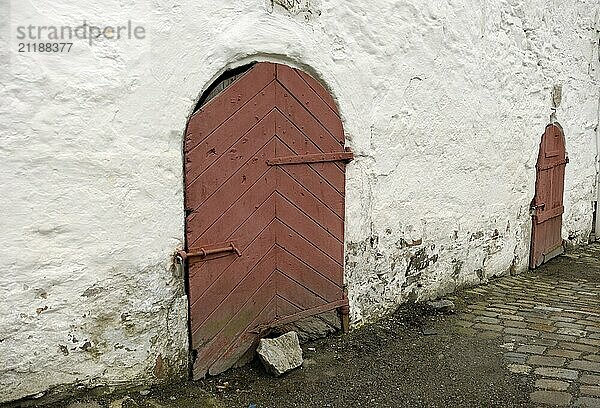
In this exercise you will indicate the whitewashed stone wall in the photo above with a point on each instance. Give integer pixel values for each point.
(443, 102)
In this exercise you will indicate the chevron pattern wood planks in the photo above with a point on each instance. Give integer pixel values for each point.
(286, 219)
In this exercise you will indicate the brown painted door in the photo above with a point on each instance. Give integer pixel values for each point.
(264, 180)
(547, 205)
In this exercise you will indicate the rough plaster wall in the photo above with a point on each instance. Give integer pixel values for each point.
(91, 212)
(443, 103)
(449, 167)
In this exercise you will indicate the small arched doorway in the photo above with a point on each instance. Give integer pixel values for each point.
(264, 198)
(547, 205)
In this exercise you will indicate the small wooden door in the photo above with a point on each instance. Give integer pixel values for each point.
(597, 203)
(264, 198)
(547, 205)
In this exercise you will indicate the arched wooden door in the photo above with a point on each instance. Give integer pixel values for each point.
(547, 205)
(264, 198)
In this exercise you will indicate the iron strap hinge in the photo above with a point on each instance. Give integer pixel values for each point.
(548, 214)
(553, 165)
(312, 158)
(341, 304)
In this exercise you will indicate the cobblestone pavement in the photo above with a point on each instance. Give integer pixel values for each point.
(549, 327)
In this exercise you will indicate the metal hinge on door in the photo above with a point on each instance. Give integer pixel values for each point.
(312, 158)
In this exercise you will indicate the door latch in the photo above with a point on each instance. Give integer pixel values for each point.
(202, 252)
(533, 209)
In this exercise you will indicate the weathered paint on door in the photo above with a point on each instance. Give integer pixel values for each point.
(547, 205)
(264, 185)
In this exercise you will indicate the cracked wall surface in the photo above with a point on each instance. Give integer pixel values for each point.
(443, 103)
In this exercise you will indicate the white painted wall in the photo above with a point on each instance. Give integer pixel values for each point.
(443, 102)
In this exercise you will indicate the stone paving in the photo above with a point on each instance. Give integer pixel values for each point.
(549, 327)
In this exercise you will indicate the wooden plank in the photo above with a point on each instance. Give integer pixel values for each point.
(313, 182)
(552, 165)
(210, 299)
(319, 89)
(285, 308)
(546, 215)
(298, 143)
(302, 198)
(248, 314)
(253, 231)
(306, 226)
(288, 316)
(221, 140)
(297, 294)
(308, 98)
(306, 123)
(247, 341)
(307, 276)
(229, 162)
(238, 289)
(224, 228)
(211, 208)
(232, 99)
(223, 84)
(307, 252)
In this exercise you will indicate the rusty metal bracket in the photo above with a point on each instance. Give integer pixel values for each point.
(312, 158)
(339, 304)
(533, 209)
(202, 252)
(554, 164)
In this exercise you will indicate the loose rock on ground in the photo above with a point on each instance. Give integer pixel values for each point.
(281, 354)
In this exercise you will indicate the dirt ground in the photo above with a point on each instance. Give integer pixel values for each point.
(415, 358)
(388, 364)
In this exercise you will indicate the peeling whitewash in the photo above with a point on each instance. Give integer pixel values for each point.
(443, 103)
